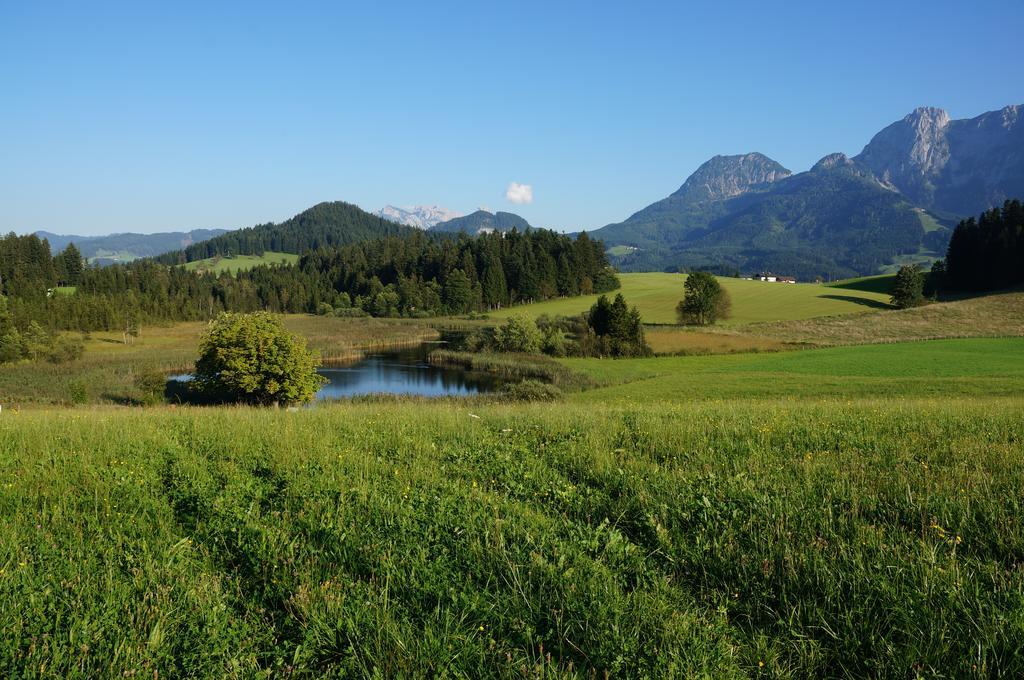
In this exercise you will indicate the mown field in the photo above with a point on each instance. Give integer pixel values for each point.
(731, 539)
(657, 294)
(237, 263)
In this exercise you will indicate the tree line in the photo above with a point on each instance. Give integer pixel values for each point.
(986, 253)
(411, 275)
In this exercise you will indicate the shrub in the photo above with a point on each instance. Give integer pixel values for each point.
(151, 386)
(78, 392)
(251, 358)
(64, 349)
(531, 390)
(518, 334)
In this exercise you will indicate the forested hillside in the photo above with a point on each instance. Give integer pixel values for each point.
(322, 226)
(482, 221)
(412, 275)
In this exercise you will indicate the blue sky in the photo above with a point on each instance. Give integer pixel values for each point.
(126, 117)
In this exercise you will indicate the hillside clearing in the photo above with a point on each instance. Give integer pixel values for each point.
(233, 264)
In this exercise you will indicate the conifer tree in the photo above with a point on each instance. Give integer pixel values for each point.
(908, 288)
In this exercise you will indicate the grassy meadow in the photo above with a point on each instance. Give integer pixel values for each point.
(727, 510)
(657, 294)
(735, 539)
(948, 369)
(237, 263)
(997, 315)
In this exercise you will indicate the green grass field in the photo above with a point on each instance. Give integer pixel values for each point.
(994, 316)
(657, 294)
(237, 263)
(729, 539)
(881, 284)
(935, 368)
(851, 510)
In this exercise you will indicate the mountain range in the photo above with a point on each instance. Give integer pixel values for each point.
(442, 220)
(895, 202)
(126, 247)
(419, 216)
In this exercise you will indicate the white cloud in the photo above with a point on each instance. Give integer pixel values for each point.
(519, 193)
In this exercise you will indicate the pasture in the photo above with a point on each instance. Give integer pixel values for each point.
(937, 368)
(233, 264)
(761, 513)
(657, 294)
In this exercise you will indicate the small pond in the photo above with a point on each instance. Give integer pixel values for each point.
(403, 372)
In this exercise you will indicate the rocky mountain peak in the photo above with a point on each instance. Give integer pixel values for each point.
(419, 216)
(928, 118)
(1010, 115)
(958, 166)
(832, 161)
(727, 176)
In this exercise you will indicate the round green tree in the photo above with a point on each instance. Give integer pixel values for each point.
(251, 358)
(704, 301)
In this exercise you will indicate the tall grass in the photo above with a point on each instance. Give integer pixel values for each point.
(373, 540)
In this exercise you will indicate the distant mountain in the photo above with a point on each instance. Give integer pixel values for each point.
(725, 177)
(748, 213)
(127, 247)
(960, 167)
(325, 224)
(895, 202)
(482, 221)
(671, 221)
(419, 216)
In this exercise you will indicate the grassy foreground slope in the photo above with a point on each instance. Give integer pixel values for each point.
(657, 294)
(387, 540)
(938, 368)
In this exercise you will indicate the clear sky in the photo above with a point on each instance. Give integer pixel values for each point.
(130, 117)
